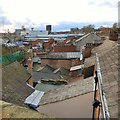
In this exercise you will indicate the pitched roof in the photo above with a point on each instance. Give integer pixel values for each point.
(81, 38)
(10, 111)
(37, 76)
(62, 71)
(68, 91)
(46, 87)
(14, 87)
(108, 58)
(92, 36)
(47, 69)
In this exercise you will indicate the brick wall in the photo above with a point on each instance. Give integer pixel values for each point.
(87, 52)
(56, 63)
(60, 63)
(64, 48)
(75, 62)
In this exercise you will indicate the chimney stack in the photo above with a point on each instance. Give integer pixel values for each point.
(48, 28)
(30, 65)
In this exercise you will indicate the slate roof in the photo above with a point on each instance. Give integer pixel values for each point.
(81, 38)
(108, 58)
(47, 69)
(47, 72)
(93, 35)
(68, 91)
(14, 87)
(37, 76)
(62, 71)
(46, 87)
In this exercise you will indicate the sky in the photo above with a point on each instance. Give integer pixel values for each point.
(61, 14)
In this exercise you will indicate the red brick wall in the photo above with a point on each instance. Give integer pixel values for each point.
(87, 52)
(64, 48)
(61, 63)
(56, 63)
(75, 62)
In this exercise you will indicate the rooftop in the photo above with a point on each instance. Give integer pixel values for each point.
(46, 87)
(10, 110)
(14, 86)
(108, 58)
(68, 91)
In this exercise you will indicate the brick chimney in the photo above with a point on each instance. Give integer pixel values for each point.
(30, 65)
(87, 52)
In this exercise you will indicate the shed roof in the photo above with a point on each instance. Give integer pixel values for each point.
(90, 37)
(14, 87)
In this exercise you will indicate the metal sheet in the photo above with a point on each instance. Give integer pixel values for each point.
(34, 98)
(76, 67)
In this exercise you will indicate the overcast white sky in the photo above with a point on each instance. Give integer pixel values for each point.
(34, 13)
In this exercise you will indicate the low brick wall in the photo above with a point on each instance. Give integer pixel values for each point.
(64, 48)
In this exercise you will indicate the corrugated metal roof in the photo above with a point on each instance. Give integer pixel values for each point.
(19, 43)
(54, 36)
(34, 98)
